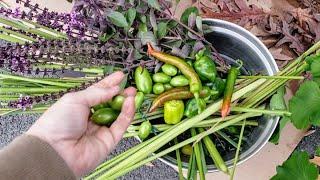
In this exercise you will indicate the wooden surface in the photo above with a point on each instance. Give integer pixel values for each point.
(261, 166)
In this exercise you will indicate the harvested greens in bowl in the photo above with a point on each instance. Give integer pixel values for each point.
(191, 103)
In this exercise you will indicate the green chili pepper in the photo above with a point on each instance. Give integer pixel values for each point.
(178, 93)
(179, 81)
(104, 116)
(231, 80)
(192, 107)
(138, 99)
(167, 87)
(185, 68)
(158, 88)
(187, 150)
(161, 78)
(173, 111)
(144, 130)
(117, 102)
(143, 80)
(169, 69)
(100, 106)
(205, 68)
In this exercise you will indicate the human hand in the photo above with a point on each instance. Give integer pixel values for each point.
(82, 144)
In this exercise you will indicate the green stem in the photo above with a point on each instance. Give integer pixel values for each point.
(31, 90)
(238, 151)
(227, 138)
(179, 162)
(263, 111)
(273, 77)
(11, 38)
(22, 36)
(196, 150)
(35, 80)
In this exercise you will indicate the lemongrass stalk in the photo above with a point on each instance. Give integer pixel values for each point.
(35, 80)
(170, 149)
(196, 150)
(4, 90)
(173, 132)
(238, 151)
(263, 111)
(12, 39)
(22, 36)
(273, 77)
(227, 138)
(179, 162)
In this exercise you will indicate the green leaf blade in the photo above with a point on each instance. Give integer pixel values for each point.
(118, 19)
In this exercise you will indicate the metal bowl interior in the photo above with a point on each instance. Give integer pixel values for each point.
(234, 42)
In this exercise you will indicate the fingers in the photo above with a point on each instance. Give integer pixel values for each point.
(98, 93)
(113, 79)
(119, 127)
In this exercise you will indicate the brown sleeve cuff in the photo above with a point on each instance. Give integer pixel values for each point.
(28, 157)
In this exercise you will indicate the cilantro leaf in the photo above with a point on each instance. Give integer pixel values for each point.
(314, 65)
(304, 106)
(297, 167)
(317, 153)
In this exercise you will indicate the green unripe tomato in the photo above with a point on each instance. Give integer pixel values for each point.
(173, 111)
(105, 116)
(161, 78)
(117, 102)
(158, 88)
(143, 80)
(179, 81)
(187, 150)
(169, 69)
(144, 130)
(167, 87)
(138, 100)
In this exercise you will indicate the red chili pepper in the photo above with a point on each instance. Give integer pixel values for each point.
(178, 93)
(231, 80)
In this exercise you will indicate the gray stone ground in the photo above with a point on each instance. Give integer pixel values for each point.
(13, 126)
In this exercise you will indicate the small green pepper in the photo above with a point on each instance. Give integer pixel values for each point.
(169, 69)
(218, 86)
(179, 81)
(161, 78)
(205, 68)
(173, 111)
(117, 102)
(104, 116)
(100, 106)
(167, 86)
(143, 80)
(187, 150)
(192, 107)
(138, 99)
(144, 130)
(158, 88)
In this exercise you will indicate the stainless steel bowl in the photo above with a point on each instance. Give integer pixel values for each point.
(234, 42)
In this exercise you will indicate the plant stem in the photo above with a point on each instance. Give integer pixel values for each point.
(35, 80)
(31, 90)
(273, 77)
(196, 150)
(227, 138)
(238, 150)
(263, 111)
(12, 39)
(179, 162)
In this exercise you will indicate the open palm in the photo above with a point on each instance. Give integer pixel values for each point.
(82, 144)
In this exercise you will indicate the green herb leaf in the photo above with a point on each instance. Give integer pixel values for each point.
(130, 16)
(118, 19)
(162, 30)
(315, 68)
(297, 167)
(185, 15)
(154, 3)
(304, 106)
(147, 37)
(276, 135)
(277, 100)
